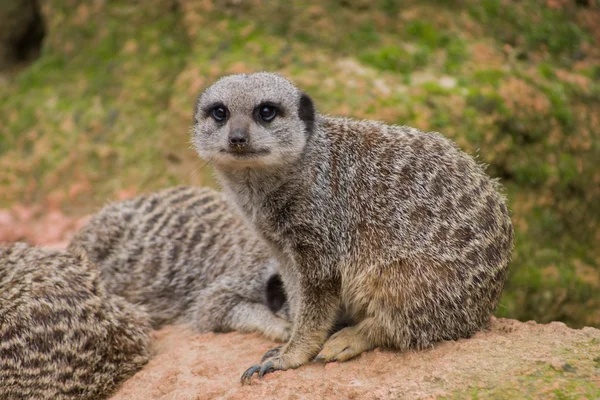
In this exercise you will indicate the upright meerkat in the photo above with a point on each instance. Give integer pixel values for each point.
(61, 335)
(396, 228)
(186, 255)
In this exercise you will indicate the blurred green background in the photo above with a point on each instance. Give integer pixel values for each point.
(106, 105)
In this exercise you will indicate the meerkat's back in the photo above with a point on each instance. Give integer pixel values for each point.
(61, 335)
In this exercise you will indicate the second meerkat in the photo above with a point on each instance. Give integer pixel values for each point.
(396, 228)
(185, 254)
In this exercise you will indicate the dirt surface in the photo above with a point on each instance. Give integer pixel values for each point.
(513, 358)
(38, 226)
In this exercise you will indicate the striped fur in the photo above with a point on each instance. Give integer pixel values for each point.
(186, 255)
(61, 335)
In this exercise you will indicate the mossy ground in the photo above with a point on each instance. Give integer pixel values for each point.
(107, 107)
(573, 380)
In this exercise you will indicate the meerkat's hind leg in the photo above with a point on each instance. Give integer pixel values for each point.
(224, 306)
(257, 317)
(347, 343)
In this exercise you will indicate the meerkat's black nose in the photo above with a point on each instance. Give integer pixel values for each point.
(238, 138)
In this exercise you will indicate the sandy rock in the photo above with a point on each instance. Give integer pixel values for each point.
(544, 361)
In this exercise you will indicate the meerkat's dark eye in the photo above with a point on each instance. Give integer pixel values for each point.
(267, 113)
(219, 113)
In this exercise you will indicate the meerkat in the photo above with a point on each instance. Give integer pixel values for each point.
(185, 254)
(395, 228)
(61, 335)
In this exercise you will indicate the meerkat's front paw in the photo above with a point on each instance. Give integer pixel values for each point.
(268, 366)
(344, 345)
(274, 360)
(271, 364)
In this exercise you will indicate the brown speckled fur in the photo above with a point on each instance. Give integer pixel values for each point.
(61, 335)
(396, 228)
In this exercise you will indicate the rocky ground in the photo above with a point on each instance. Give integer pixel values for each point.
(50, 229)
(511, 360)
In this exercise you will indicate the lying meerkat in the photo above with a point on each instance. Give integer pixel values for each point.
(186, 255)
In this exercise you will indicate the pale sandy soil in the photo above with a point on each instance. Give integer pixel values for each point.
(42, 228)
(512, 359)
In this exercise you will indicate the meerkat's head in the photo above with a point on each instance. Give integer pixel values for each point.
(251, 121)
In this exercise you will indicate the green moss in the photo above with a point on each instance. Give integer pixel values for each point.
(364, 35)
(394, 58)
(485, 103)
(425, 33)
(456, 55)
(530, 25)
(440, 121)
(488, 77)
(546, 71)
(390, 7)
(560, 104)
(96, 75)
(566, 383)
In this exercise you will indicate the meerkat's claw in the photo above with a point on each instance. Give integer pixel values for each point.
(271, 353)
(266, 368)
(247, 375)
(262, 370)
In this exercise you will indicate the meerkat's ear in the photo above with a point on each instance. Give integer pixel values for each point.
(306, 112)
(196, 109)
